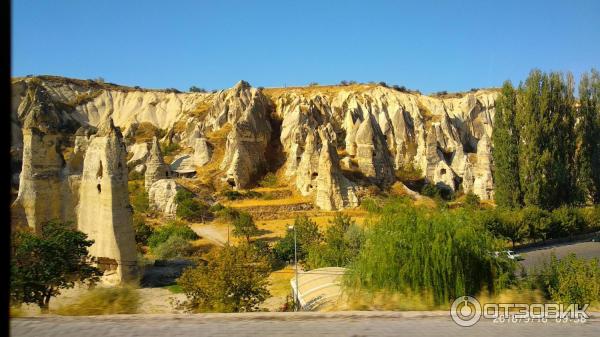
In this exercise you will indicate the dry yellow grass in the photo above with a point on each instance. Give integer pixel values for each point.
(207, 174)
(324, 90)
(279, 282)
(292, 200)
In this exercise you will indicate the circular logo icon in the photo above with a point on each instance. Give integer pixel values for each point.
(465, 311)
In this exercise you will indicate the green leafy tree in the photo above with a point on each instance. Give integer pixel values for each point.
(307, 234)
(505, 151)
(233, 280)
(43, 264)
(244, 226)
(537, 222)
(567, 221)
(506, 224)
(546, 116)
(341, 243)
(588, 137)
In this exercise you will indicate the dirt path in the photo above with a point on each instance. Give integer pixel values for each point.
(211, 232)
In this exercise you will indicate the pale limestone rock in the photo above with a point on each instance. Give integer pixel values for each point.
(156, 168)
(245, 109)
(372, 153)
(161, 196)
(202, 152)
(104, 213)
(140, 153)
(41, 185)
(334, 191)
(183, 164)
(483, 185)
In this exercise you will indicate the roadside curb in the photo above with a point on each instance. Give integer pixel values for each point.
(269, 316)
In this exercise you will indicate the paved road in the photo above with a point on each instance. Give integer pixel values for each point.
(287, 325)
(535, 257)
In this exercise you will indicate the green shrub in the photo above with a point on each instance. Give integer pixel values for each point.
(173, 228)
(135, 175)
(570, 279)
(170, 149)
(269, 180)
(104, 301)
(472, 200)
(237, 195)
(174, 247)
(142, 230)
(189, 208)
(445, 253)
(227, 213)
(538, 223)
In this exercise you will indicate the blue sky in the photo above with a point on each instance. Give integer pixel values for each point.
(426, 45)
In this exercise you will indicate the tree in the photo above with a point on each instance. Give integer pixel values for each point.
(307, 234)
(234, 279)
(588, 137)
(506, 224)
(341, 244)
(244, 226)
(537, 223)
(545, 114)
(44, 264)
(194, 88)
(505, 151)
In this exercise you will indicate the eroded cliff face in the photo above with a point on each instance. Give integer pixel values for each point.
(334, 141)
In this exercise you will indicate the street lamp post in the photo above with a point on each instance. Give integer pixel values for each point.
(296, 299)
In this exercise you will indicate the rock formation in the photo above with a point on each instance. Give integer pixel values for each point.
(41, 185)
(161, 196)
(334, 191)
(372, 131)
(104, 213)
(156, 168)
(483, 185)
(245, 109)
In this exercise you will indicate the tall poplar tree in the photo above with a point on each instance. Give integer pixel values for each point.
(505, 151)
(588, 137)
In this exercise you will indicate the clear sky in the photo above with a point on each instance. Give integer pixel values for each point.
(426, 45)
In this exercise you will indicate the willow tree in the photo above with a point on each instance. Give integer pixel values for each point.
(505, 151)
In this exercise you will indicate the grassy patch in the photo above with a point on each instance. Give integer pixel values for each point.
(103, 301)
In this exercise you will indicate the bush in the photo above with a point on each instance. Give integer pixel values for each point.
(435, 191)
(173, 228)
(237, 195)
(537, 222)
(444, 253)
(142, 230)
(383, 84)
(227, 213)
(227, 283)
(472, 200)
(269, 180)
(139, 198)
(189, 208)
(103, 301)
(570, 280)
(168, 150)
(135, 175)
(174, 247)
